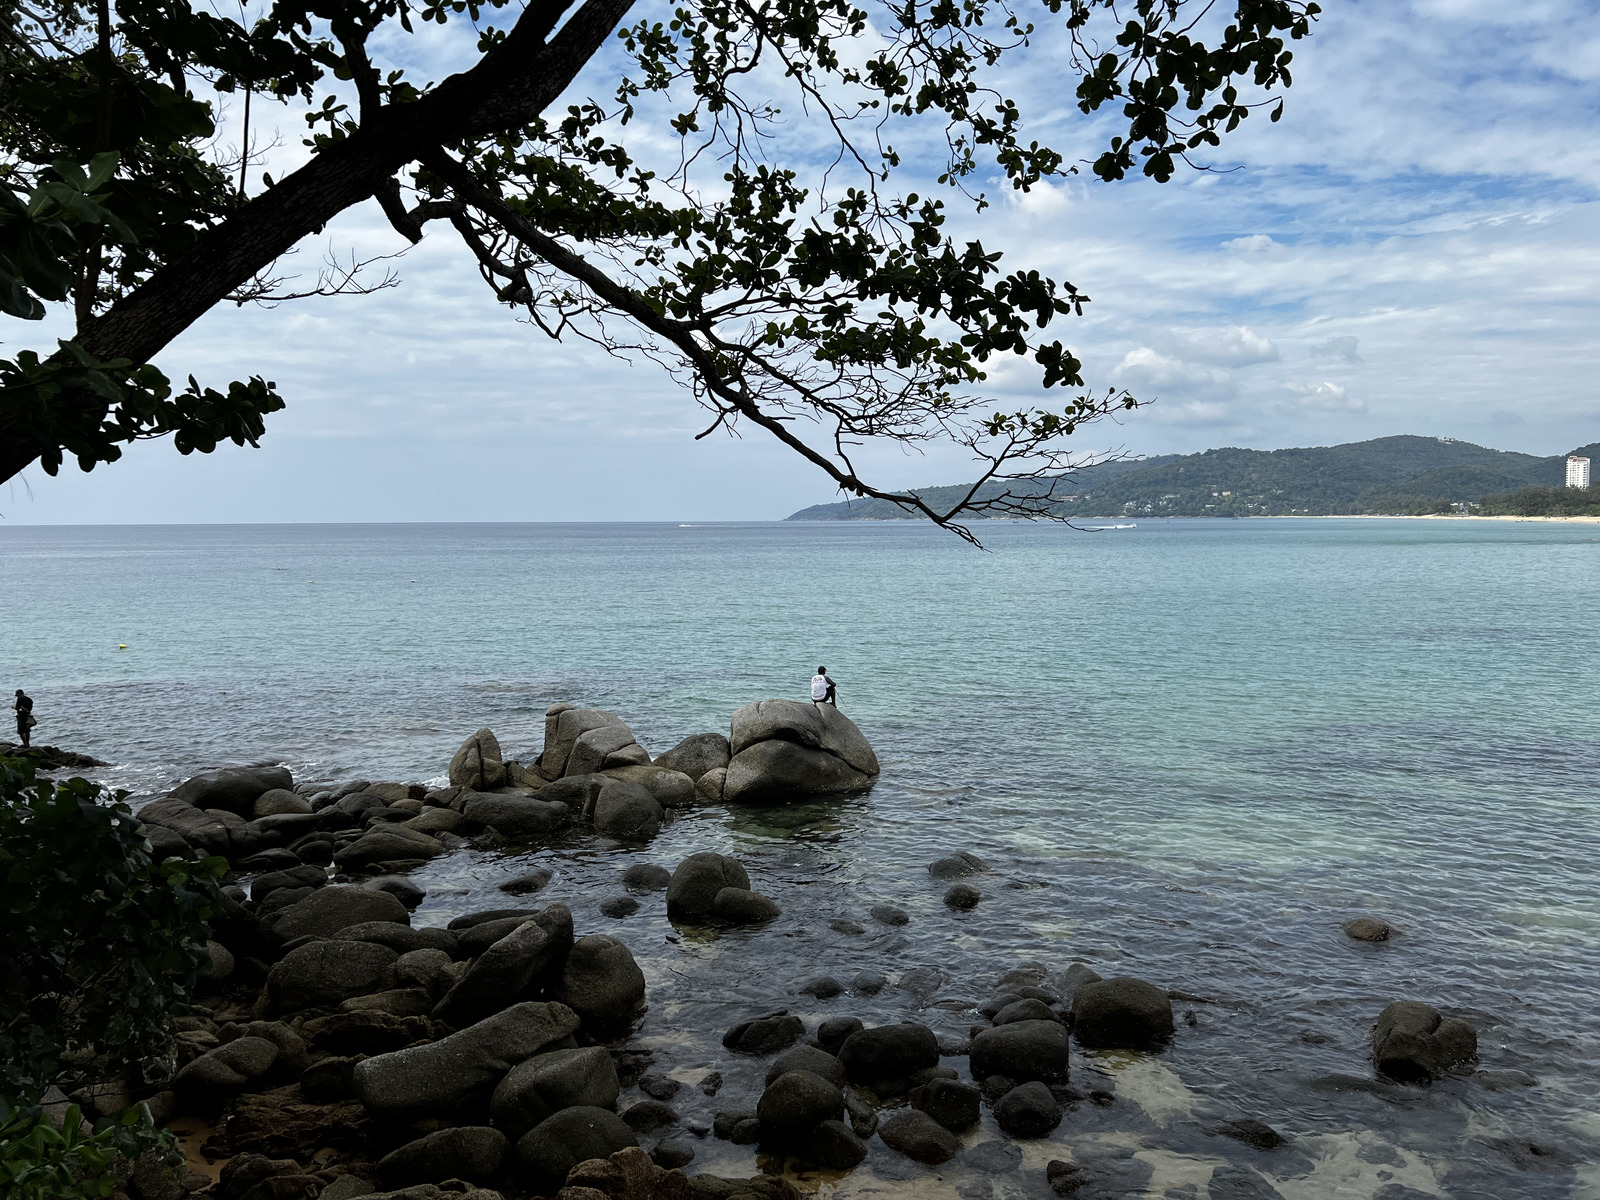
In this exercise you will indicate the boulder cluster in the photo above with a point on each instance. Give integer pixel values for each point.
(346, 1052)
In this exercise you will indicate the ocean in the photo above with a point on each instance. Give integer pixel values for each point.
(1189, 751)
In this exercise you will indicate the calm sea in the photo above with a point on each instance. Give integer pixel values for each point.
(1190, 751)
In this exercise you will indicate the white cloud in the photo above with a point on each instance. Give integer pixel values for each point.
(1148, 370)
(1342, 348)
(1326, 397)
(1229, 346)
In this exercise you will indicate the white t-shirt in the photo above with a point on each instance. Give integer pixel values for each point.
(819, 687)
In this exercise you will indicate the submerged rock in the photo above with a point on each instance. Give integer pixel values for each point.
(765, 1035)
(627, 811)
(1028, 1111)
(1121, 1013)
(918, 1136)
(957, 866)
(1368, 929)
(1022, 1050)
(1413, 1043)
(693, 889)
(739, 906)
(889, 1052)
(795, 1102)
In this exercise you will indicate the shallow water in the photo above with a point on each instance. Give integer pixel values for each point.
(1189, 751)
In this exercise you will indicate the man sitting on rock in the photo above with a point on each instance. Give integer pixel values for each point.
(823, 690)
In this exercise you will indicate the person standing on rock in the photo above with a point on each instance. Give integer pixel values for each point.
(23, 705)
(823, 690)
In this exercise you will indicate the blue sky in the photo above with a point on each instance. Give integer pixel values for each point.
(1415, 248)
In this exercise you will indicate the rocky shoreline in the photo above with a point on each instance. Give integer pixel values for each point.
(339, 1051)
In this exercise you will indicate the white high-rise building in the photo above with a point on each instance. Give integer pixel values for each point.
(1577, 472)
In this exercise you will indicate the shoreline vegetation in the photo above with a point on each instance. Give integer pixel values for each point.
(330, 1048)
(1394, 476)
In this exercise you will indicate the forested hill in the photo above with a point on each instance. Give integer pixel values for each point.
(1386, 475)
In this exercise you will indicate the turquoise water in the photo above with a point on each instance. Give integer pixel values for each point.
(1191, 750)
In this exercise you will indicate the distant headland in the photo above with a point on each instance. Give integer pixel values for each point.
(1392, 476)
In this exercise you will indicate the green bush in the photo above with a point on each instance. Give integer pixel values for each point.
(39, 1161)
(99, 944)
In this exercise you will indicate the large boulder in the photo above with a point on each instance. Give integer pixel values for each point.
(524, 962)
(1121, 1013)
(577, 792)
(471, 1152)
(228, 1069)
(1028, 1111)
(888, 1052)
(462, 1069)
(671, 789)
(548, 1151)
(627, 811)
(601, 982)
(953, 1104)
(918, 1136)
(327, 910)
(697, 880)
(1412, 1042)
(276, 802)
(478, 764)
(547, 1083)
(696, 755)
(562, 734)
(783, 749)
(234, 789)
(199, 829)
(605, 746)
(519, 818)
(387, 843)
(1022, 1050)
(326, 972)
(795, 1102)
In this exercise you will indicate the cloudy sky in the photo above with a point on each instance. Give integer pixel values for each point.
(1415, 248)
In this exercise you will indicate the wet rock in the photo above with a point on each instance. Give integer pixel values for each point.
(951, 1046)
(888, 914)
(957, 866)
(543, 1085)
(619, 906)
(729, 1119)
(1534, 1156)
(647, 1115)
(434, 821)
(398, 1002)
(403, 939)
(746, 1133)
(832, 1146)
(226, 1070)
(346, 1187)
(577, 792)
(322, 973)
(921, 982)
(516, 818)
(962, 896)
(444, 1076)
(672, 1153)
(659, 1087)
(847, 927)
(233, 789)
(919, 1137)
(401, 888)
(1027, 1009)
(708, 788)
(274, 802)
(697, 754)
(1413, 1043)
(478, 764)
(710, 1083)
(421, 969)
(527, 882)
(387, 844)
(527, 960)
(366, 1031)
(888, 1052)
(670, 789)
(832, 1032)
(168, 843)
(739, 906)
(795, 1102)
(1368, 929)
(1503, 1080)
(1121, 1013)
(1028, 1111)
(807, 1058)
(627, 811)
(547, 1152)
(198, 829)
(765, 1035)
(1022, 1050)
(601, 982)
(328, 910)
(477, 939)
(647, 877)
(472, 920)
(471, 1152)
(954, 1105)
(863, 1115)
(868, 983)
(823, 987)
(1256, 1134)
(1074, 977)
(692, 891)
